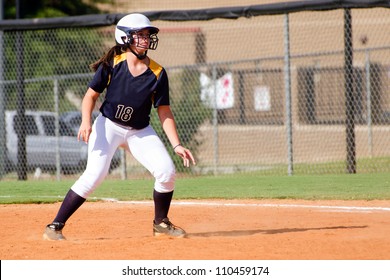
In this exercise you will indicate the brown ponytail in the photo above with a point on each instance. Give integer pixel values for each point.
(107, 58)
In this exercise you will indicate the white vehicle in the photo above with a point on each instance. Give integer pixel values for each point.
(42, 145)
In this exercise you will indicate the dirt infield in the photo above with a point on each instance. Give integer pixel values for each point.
(217, 230)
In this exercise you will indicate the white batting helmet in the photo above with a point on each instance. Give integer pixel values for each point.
(131, 24)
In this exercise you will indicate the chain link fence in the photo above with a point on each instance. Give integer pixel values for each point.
(283, 92)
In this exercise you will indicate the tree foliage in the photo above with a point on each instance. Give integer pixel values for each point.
(49, 52)
(50, 8)
(184, 89)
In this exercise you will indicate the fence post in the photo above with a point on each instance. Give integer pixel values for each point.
(123, 165)
(57, 130)
(21, 108)
(215, 120)
(368, 91)
(241, 97)
(287, 83)
(349, 93)
(3, 140)
(3, 145)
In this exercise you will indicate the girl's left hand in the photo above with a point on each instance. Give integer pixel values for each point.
(186, 155)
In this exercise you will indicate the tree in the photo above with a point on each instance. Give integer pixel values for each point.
(49, 52)
(189, 111)
(51, 8)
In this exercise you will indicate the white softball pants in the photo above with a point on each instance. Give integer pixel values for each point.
(143, 144)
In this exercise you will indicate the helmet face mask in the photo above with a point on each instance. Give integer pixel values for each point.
(129, 34)
(153, 41)
(130, 26)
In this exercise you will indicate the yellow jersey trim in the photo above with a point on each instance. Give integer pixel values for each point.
(119, 58)
(155, 67)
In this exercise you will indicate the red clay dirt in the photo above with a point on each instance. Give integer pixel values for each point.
(217, 230)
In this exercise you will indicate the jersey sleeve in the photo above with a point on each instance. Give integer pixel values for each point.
(161, 96)
(100, 79)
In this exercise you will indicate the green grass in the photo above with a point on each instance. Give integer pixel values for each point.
(238, 186)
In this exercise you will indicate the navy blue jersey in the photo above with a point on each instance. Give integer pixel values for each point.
(129, 99)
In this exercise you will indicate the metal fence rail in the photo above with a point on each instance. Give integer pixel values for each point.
(288, 89)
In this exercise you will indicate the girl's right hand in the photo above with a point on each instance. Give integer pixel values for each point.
(84, 132)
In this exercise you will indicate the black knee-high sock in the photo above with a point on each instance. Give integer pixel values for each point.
(71, 203)
(162, 201)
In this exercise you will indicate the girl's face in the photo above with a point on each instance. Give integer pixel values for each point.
(142, 39)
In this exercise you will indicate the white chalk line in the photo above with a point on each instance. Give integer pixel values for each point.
(270, 205)
(328, 208)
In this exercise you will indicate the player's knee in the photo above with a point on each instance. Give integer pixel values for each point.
(87, 183)
(165, 181)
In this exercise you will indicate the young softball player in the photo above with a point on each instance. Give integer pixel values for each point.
(134, 83)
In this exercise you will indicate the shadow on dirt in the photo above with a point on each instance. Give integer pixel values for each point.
(266, 231)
